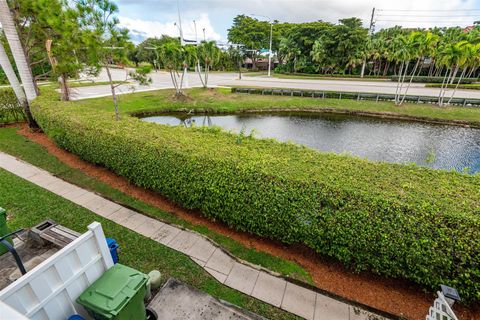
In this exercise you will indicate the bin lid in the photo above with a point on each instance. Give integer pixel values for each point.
(113, 290)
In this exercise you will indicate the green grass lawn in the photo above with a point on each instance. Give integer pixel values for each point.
(28, 205)
(221, 100)
(77, 84)
(19, 146)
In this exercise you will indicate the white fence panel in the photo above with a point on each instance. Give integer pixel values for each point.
(441, 310)
(49, 291)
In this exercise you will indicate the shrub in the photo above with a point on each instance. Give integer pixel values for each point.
(10, 108)
(394, 220)
(424, 79)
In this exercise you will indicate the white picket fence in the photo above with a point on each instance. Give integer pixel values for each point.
(441, 310)
(49, 291)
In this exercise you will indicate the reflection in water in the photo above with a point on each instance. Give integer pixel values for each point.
(435, 146)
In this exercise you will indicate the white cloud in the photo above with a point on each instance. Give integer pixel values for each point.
(219, 14)
(141, 29)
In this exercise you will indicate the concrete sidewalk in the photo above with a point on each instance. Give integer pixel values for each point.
(244, 277)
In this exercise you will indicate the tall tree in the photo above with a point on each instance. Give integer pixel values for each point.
(20, 60)
(209, 54)
(11, 76)
(106, 43)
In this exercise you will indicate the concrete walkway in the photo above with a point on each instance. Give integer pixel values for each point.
(246, 278)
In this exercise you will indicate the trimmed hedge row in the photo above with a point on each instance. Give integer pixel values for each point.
(398, 221)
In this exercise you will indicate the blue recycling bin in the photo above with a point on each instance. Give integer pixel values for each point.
(113, 246)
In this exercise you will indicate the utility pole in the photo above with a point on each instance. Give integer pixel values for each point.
(371, 30)
(204, 38)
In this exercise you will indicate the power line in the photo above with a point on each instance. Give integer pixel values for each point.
(413, 10)
(426, 16)
(423, 21)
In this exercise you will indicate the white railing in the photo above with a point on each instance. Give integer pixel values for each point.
(49, 290)
(441, 309)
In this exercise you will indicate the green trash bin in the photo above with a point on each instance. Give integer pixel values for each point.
(4, 230)
(117, 294)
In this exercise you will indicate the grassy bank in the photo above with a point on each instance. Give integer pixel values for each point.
(22, 148)
(394, 220)
(28, 205)
(222, 100)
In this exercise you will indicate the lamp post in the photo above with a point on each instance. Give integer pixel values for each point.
(180, 24)
(196, 35)
(204, 38)
(271, 40)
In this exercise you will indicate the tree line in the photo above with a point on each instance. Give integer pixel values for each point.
(451, 54)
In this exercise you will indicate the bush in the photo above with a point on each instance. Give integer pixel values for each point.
(424, 79)
(394, 220)
(10, 108)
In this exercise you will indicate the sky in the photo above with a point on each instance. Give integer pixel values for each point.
(150, 18)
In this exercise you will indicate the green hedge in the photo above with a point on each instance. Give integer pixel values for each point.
(424, 79)
(398, 221)
(10, 108)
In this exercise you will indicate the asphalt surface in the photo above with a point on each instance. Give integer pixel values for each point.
(162, 80)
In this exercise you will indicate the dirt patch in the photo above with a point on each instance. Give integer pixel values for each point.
(390, 295)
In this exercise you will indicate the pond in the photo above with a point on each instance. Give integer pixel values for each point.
(431, 145)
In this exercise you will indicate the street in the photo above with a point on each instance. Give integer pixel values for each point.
(162, 80)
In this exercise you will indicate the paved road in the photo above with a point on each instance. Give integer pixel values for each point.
(161, 80)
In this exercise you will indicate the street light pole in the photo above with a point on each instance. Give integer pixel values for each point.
(270, 51)
(196, 35)
(271, 40)
(180, 24)
(204, 38)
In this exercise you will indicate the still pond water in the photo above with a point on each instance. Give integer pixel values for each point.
(435, 146)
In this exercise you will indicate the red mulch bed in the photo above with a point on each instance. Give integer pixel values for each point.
(391, 295)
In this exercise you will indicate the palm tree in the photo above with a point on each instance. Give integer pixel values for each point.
(17, 50)
(11, 76)
(451, 56)
(209, 53)
(403, 53)
(172, 58)
(28, 92)
(289, 51)
(468, 56)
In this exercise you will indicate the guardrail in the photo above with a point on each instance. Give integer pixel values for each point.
(353, 96)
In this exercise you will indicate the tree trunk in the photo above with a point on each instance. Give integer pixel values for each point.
(239, 71)
(17, 50)
(207, 71)
(16, 86)
(410, 82)
(456, 87)
(64, 87)
(387, 66)
(398, 82)
(445, 81)
(114, 94)
(199, 70)
(364, 64)
(11, 76)
(454, 75)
